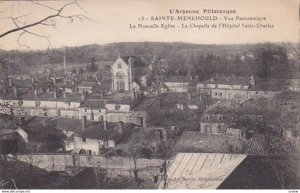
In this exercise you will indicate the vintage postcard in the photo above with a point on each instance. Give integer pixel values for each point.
(139, 94)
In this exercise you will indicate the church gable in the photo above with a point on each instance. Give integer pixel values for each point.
(120, 65)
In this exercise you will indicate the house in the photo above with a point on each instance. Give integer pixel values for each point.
(94, 109)
(178, 83)
(224, 120)
(188, 101)
(87, 87)
(44, 104)
(241, 88)
(293, 85)
(129, 73)
(86, 137)
(215, 121)
(226, 87)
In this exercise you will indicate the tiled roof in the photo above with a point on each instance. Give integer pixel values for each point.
(96, 131)
(94, 103)
(22, 83)
(266, 86)
(69, 124)
(120, 99)
(87, 84)
(229, 80)
(143, 105)
(49, 96)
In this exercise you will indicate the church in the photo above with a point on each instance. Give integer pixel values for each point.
(129, 74)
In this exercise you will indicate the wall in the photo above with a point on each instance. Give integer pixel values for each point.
(59, 162)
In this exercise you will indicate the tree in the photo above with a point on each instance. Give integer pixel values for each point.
(163, 150)
(93, 66)
(271, 61)
(22, 26)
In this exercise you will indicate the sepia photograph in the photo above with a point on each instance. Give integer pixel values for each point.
(138, 94)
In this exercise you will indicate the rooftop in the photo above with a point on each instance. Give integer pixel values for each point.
(201, 170)
(137, 61)
(94, 103)
(49, 96)
(87, 84)
(228, 80)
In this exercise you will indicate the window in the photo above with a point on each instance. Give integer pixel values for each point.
(220, 129)
(206, 129)
(206, 117)
(119, 65)
(220, 117)
(284, 88)
(220, 94)
(117, 107)
(83, 139)
(216, 94)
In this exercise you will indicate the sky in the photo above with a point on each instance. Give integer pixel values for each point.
(110, 22)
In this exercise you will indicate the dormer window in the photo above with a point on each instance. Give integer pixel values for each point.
(119, 65)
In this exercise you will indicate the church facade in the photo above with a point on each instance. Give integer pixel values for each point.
(129, 73)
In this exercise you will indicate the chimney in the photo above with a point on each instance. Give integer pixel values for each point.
(64, 94)
(83, 122)
(164, 135)
(32, 80)
(83, 96)
(55, 93)
(44, 123)
(173, 128)
(35, 93)
(13, 123)
(16, 92)
(22, 120)
(189, 96)
(9, 82)
(92, 114)
(206, 107)
(105, 125)
(159, 134)
(120, 126)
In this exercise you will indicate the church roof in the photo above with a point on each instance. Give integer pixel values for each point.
(137, 61)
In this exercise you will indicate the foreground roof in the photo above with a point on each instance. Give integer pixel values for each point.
(201, 170)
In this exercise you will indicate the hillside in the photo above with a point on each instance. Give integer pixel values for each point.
(176, 54)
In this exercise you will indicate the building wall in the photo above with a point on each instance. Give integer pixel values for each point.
(177, 86)
(91, 144)
(118, 107)
(212, 128)
(87, 89)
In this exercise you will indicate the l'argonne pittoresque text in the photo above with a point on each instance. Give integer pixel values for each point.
(202, 19)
